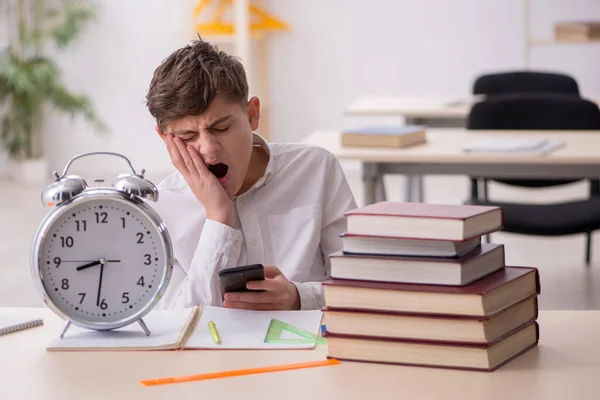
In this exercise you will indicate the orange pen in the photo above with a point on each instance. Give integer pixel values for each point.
(238, 372)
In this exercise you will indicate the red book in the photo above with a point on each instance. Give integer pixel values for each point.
(478, 357)
(483, 297)
(450, 329)
(424, 220)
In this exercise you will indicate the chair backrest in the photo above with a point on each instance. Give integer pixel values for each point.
(530, 111)
(525, 81)
(527, 111)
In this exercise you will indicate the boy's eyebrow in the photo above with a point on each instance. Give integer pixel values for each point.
(219, 120)
(215, 122)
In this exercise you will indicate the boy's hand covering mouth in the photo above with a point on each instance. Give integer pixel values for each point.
(203, 180)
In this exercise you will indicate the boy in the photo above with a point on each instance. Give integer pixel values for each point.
(235, 199)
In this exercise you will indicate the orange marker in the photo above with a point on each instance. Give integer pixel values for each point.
(238, 372)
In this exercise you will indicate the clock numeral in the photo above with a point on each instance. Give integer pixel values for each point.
(82, 297)
(103, 304)
(123, 220)
(148, 259)
(80, 225)
(101, 217)
(125, 298)
(141, 281)
(140, 237)
(66, 241)
(64, 284)
(57, 261)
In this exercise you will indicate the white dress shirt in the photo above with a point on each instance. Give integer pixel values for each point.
(291, 218)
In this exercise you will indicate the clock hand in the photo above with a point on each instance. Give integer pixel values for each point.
(88, 265)
(100, 282)
(94, 263)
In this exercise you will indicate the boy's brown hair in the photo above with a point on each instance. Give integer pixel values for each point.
(187, 81)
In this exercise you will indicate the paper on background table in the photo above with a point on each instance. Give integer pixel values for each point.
(512, 145)
(244, 329)
(165, 326)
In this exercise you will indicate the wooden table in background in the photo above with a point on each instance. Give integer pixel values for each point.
(443, 154)
(433, 111)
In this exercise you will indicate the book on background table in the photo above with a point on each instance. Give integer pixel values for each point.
(384, 136)
(383, 245)
(484, 297)
(476, 264)
(577, 30)
(187, 329)
(10, 323)
(424, 220)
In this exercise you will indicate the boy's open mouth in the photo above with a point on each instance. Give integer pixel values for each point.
(219, 170)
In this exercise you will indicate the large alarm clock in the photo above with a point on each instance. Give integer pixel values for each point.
(101, 258)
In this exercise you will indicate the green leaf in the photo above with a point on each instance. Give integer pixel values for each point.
(74, 105)
(74, 16)
(29, 80)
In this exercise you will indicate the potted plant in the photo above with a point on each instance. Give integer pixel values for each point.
(31, 84)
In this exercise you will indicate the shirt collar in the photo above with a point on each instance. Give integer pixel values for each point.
(258, 140)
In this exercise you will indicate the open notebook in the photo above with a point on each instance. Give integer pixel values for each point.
(187, 329)
(13, 323)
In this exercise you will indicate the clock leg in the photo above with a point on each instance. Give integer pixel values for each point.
(67, 326)
(144, 327)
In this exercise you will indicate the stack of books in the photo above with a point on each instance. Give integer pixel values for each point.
(415, 285)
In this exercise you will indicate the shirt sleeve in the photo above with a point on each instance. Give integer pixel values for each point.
(337, 199)
(218, 247)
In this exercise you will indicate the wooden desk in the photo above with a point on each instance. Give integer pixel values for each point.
(443, 154)
(435, 112)
(443, 112)
(564, 365)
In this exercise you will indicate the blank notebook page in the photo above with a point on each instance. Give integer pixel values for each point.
(245, 329)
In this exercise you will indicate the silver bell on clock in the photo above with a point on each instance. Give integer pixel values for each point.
(101, 258)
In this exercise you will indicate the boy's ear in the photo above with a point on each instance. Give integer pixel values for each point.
(162, 136)
(254, 112)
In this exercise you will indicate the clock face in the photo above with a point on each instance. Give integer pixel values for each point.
(102, 261)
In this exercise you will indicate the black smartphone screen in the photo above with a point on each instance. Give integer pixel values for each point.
(235, 279)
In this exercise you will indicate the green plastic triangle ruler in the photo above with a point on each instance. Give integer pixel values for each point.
(277, 329)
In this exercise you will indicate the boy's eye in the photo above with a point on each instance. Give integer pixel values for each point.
(220, 129)
(188, 138)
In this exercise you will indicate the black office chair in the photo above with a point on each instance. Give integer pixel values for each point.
(530, 111)
(525, 81)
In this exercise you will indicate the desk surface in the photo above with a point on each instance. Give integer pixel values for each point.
(564, 365)
(445, 146)
(414, 107)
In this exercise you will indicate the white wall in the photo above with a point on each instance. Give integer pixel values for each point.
(112, 62)
(336, 51)
(428, 47)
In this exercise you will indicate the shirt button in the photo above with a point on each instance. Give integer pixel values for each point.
(236, 244)
(243, 201)
(254, 242)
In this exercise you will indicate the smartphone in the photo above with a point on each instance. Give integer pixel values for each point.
(235, 279)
